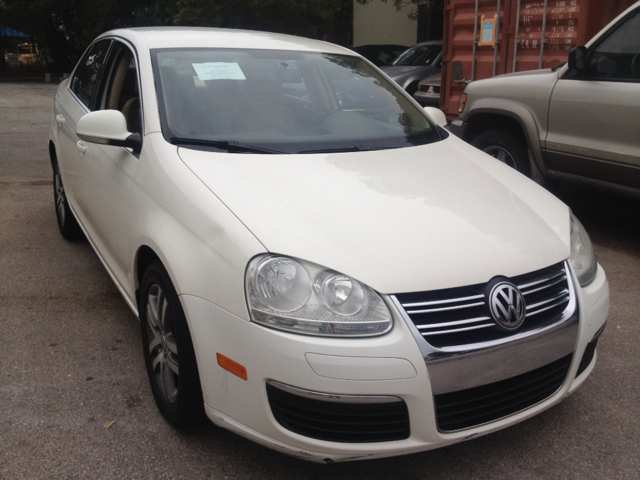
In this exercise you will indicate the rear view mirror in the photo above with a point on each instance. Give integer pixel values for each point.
(108, 127)
(578, 59)
(291, 75)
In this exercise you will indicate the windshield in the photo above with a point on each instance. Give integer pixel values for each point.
(269, 101)
(418, 56)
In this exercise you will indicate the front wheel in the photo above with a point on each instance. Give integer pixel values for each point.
(168, 350)
(506, 147)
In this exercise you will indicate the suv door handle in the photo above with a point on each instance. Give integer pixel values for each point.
(60, 119)
(81, 146)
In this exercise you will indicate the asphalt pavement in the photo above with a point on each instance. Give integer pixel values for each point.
(75, 400)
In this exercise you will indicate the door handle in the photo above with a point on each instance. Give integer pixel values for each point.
(81, 146)
(60, 119)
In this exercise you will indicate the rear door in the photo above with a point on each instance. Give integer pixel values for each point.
(594, 120)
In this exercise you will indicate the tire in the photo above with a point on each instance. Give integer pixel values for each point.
(168, 350)
(506, 147)
(67, 223)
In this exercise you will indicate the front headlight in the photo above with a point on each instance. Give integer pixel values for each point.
(583, 257)
(301, 297)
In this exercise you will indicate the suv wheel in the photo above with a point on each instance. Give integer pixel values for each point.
(505, 147)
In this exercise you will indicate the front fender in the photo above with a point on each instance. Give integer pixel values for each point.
(202, 244)
(525, 118)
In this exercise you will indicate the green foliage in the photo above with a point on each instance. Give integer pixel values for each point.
(402, 4)
(309, 18)
(63, 28)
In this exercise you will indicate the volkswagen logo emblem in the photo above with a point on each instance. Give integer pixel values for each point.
(507, 306)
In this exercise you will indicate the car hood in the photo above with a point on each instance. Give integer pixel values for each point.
(529, 73)
(402, 220)
(396, 72)
(401, 69)
(431, 80)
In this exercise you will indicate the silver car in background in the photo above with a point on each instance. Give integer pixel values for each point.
(428, 93)
(414, 64)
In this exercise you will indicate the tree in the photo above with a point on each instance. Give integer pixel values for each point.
(64, 28)
(308, 18)
(413, 13)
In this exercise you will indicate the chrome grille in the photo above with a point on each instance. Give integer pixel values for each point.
(460, 316)
(434, 89)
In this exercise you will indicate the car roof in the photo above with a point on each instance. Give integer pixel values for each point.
(203, 37)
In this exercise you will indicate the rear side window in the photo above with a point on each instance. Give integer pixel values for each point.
(85, 81)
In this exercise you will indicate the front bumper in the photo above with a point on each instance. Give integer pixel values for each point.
(427, 99)
(390, 366)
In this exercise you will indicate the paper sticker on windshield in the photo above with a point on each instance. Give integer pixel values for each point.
(218, 71)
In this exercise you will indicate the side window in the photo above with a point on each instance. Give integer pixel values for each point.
(121, 91)
(86, 80)
(618, 56)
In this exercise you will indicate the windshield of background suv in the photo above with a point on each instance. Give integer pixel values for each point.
(271, 101)
(418, 56)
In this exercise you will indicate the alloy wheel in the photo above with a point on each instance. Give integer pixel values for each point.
(60, 198)
(161, 342)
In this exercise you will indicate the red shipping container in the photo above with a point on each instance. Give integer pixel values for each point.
(527, 35)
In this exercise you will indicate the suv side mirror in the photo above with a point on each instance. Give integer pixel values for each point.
(578, 59)
(108, 127)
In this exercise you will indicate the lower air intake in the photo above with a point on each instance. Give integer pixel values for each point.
(480, 405)
(336, 418)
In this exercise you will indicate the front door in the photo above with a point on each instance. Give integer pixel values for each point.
(110, 169)
(594, 120)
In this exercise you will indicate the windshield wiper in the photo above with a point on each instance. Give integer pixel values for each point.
(229, 146)
(347, 149)
(553, 69)
(334, 150)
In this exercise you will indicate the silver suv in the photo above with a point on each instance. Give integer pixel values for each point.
(577, 122)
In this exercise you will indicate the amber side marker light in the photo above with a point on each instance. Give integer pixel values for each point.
(231, 366)
(463, 102)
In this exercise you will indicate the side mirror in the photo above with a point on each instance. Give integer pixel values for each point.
(436, 115)
(108, 127)
(578, 59)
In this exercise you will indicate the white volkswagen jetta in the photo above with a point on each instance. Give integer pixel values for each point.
(316, 264)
